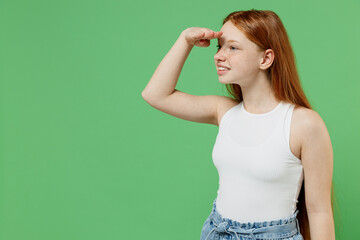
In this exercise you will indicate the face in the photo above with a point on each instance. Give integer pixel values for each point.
(242, 56)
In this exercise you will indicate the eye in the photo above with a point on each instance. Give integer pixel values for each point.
(218, 47)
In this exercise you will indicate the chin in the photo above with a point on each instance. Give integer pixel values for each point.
(224, 82)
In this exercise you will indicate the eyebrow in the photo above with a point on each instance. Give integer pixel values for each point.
(228, 40)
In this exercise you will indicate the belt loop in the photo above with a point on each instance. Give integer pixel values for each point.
(252, 235)
(297, 225)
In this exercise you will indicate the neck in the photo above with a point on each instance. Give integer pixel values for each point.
(259, 97)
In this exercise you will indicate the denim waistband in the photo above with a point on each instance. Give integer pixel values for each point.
(280, 228)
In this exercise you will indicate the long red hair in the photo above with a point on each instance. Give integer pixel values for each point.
(264, 28)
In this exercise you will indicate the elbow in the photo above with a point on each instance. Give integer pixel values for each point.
(145, 96)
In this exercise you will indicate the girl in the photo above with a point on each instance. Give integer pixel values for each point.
(272, 150)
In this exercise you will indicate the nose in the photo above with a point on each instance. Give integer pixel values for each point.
(219, 56)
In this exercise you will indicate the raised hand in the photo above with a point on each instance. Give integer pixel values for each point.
(200, 37)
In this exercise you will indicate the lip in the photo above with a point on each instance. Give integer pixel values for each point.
(222, 66)
(222, 72)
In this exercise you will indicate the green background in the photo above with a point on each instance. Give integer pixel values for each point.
(83, 156)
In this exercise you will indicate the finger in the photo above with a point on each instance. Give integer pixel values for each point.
(215, 34)
(197, 35)
(208, 35)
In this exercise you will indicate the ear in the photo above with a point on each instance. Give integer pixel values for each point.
(267, 59)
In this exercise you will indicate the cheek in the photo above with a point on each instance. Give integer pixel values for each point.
(248, 62)
(244, 63)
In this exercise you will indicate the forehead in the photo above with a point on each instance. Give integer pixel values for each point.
(231, 34)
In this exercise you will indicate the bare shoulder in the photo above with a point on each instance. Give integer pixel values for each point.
(306, 117)
(224, 104)
(305, 122)
(317, 159)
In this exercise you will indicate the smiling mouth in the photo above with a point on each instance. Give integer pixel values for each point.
(221, 72)
(222, 68)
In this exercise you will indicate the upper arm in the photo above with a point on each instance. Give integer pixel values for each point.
(317, 160)
(202, 109)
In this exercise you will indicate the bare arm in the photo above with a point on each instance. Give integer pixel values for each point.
(166, 75)
(317, 159)
(160, 92)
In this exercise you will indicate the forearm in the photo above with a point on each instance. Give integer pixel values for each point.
(166, 75)
(321, 225)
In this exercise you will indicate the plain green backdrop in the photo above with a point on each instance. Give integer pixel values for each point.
(84, 157)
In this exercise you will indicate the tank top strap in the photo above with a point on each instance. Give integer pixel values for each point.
(287, 122)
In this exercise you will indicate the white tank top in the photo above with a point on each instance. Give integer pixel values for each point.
(259, 177)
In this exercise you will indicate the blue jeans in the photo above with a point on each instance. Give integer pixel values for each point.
(216, 227)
